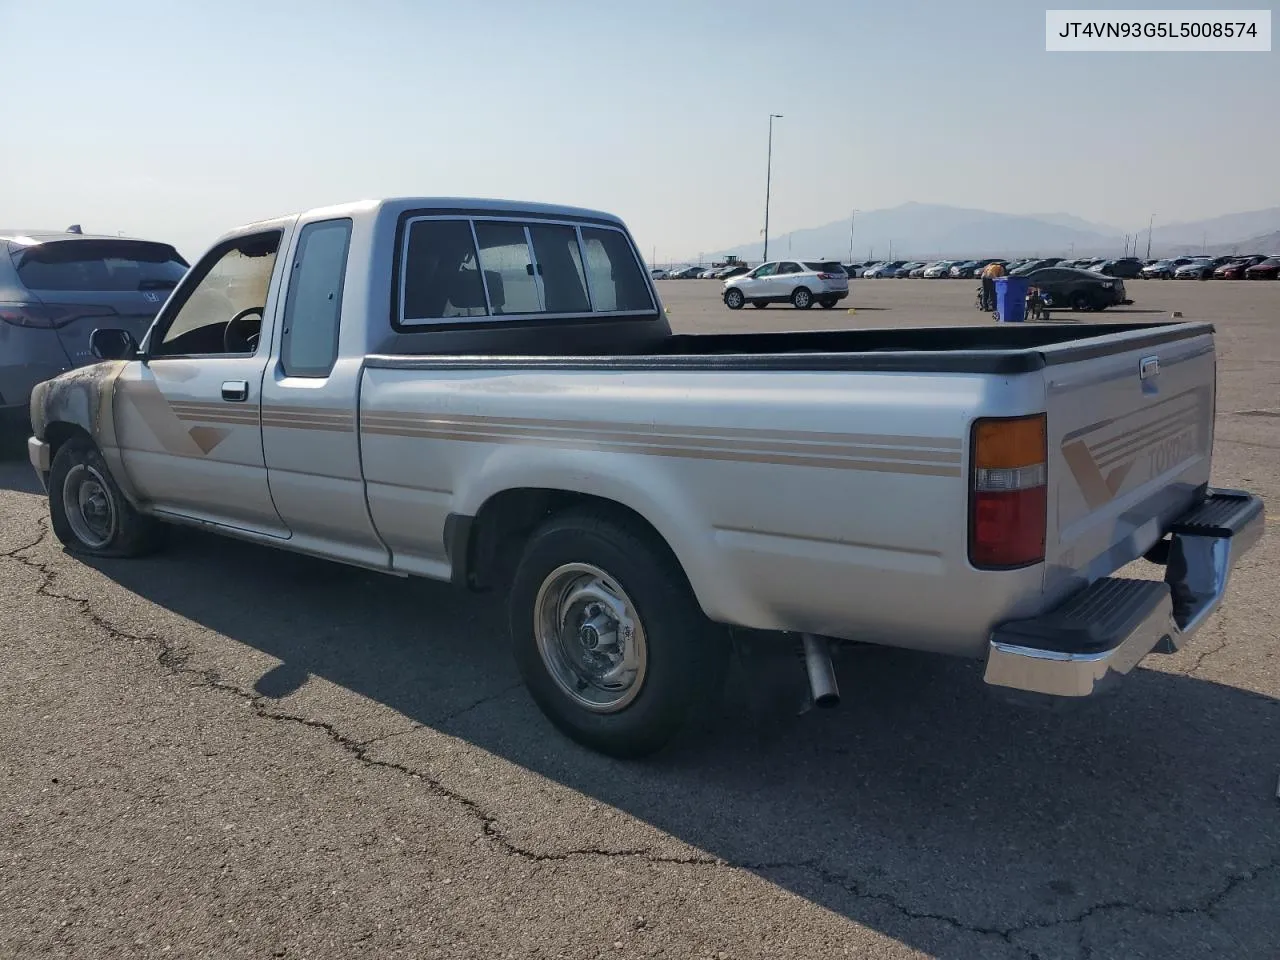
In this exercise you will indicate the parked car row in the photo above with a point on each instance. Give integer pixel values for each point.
(700, 273)
(1234, 267)
(1254, 266)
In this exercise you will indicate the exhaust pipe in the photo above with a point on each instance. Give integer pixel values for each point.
(822, 675)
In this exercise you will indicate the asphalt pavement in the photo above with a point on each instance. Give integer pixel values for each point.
(224, 751)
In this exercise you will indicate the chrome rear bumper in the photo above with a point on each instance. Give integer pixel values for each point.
(1101, 633)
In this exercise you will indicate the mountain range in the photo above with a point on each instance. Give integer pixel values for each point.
(920, 230)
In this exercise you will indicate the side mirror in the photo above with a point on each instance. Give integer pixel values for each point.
(112, 344)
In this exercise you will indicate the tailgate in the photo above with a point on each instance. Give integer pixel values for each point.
(1130, 434)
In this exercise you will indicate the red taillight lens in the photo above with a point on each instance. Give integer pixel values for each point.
(1008, 492)
(1008, 528)
(48, 316)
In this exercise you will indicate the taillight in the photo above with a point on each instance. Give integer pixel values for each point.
(48, 316)
(1008, 492)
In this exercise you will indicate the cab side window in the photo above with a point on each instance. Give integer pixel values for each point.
(313, 305)
(233, 278)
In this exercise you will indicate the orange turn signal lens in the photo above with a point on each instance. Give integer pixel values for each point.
(1009, 442)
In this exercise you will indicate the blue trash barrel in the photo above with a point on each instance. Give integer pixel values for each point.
(1011, 298)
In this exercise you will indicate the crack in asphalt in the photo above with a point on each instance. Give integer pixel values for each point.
(1224, 625)
(175, 659)
(1205, 905)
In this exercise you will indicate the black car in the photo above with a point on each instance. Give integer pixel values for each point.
(1077, 289)
(1126, 268)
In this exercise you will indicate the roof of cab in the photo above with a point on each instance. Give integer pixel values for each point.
(399, 205)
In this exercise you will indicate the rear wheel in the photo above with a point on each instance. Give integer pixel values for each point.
(89, 513)
(608, 636)
(733, 299)
(801, 298)
(1081, 301)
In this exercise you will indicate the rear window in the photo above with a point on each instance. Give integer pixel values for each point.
(461, 268)
(100, 265)
(824, 266)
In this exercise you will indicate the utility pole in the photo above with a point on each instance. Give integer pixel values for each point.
(1150, 223)
(851, 219)
(768, 180)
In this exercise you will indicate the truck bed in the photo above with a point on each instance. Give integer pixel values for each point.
(1003, 349)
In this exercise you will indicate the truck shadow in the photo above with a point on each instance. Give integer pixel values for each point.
(924, 807)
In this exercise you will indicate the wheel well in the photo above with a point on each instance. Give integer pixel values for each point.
(484, 549)
(59, 432)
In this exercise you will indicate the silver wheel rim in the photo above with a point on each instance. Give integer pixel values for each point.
(802, 298)
(735, 299)
(589, 637)
(88, 505)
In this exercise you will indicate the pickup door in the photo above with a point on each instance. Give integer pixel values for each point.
(1130, 434)
(188, 416)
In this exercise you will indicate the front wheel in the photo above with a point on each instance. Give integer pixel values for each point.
(608, 636)
(801, 298)
(89, 513)
(733, 299)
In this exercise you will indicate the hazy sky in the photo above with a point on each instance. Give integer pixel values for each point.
(178, 120)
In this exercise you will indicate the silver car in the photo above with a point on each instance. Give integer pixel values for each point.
(56, 288)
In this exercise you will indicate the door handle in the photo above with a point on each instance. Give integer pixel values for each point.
(235, 391)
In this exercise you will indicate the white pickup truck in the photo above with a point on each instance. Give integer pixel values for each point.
(489, 393)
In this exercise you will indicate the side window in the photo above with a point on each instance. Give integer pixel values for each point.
(441, 275)
(233, 278)
(505, 256)
(614, 272)
(564, 282)
(765, 270)
(789, 268)
(313, 305)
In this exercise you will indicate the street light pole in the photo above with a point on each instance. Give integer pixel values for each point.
(852, 216)
(768, 179)
(1150, 223)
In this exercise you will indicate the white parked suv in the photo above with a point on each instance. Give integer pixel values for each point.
(800, 283)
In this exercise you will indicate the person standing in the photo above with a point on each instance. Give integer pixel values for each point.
(989, 274)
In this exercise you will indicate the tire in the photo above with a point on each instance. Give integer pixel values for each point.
(679, 659)
(801, 298)
(759, 304)
(827, 303)
(733, 299)
(1081, 301)
(89, 513)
